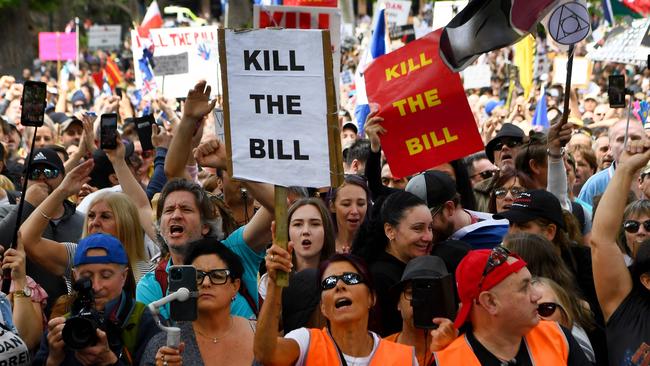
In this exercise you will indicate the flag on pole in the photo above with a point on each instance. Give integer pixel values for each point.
(377, 48)
(540, 118)
(486, 25)
(152, 19)
(112, 72)
(524, 60)
(608, 12)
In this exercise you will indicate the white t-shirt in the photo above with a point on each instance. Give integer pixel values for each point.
(301, 336)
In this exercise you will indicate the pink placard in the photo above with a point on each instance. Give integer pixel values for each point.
(56, 46)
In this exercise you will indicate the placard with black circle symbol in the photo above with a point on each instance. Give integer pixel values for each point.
(569, 23)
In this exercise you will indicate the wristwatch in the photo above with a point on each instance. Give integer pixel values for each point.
(25, 292)
(556, 156)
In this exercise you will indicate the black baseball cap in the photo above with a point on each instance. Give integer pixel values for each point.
(433, 187)
(47, 157)
(534, 204)
(426, 267)
(507, 130)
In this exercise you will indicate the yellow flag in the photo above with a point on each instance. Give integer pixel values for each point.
(524, 60)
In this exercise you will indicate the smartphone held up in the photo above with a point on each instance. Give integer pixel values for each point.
(33, 104)
(108, 131)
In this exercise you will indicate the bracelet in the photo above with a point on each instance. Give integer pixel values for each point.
(556, 156)
(44, 215)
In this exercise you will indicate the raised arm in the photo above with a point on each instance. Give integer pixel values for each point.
(197, 106)
(86, 145)
(132, 188)
(269, 348)
(611, 276)
(558, 136)
(48, 253)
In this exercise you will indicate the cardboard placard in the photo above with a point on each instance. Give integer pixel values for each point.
(580, 75)
(477, 76)
(104, 37)
(171, 64)
(279, 107)
(200, 45)
(397, 12)
(425, 110)
(57, 46)
(445, 11)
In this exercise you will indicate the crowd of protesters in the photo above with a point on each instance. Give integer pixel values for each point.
(541, 239)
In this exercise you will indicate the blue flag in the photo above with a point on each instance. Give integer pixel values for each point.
(541, 113)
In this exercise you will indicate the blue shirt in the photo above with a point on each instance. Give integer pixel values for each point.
(148, 289)
(596, 185)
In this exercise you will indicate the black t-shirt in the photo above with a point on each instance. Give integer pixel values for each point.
(576, 355)
(386, 272)
(628, 329)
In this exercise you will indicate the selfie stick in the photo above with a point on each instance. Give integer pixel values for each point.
(629, 112)
(567, 86)
(6, 274)
(173, 333)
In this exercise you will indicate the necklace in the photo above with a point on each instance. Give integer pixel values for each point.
(215, 339)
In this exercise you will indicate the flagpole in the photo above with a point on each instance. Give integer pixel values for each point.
(76, 28)
(567, 86)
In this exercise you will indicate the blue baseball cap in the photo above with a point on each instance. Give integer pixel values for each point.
(114, 250)
(489, 106)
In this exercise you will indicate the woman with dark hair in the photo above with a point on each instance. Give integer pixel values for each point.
(349, 205)
(401, 232)
(215, 334)
(507, 185)
(634, 230)
(347, 297)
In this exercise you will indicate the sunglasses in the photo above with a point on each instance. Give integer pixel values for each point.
(349, 278)
(486, 174)
(216, 276)
(547, 309)
(509, 143)
(47, 172)
(632, 226)
(514, 191)
(498, 256)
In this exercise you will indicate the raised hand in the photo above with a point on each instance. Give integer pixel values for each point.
(197, 104)
(211, 153)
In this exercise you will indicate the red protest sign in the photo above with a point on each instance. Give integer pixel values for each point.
(425, 110)
(325, 3)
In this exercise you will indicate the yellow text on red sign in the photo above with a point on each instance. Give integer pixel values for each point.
(418, 102)
(405, 67)
(430, 140)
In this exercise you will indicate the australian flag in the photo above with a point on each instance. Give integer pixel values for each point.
(146, 65)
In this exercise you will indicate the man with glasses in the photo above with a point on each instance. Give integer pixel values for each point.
(499, 320)
(450, 219)
(480, 167)
(46, 173)
(644, 182)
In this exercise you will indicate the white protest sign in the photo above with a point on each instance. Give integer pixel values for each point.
(276, 106)
(477, 76)
(304, 17)
(104, 37)
(397, 12)
(580, 75)
(200, 45)
(445, 11)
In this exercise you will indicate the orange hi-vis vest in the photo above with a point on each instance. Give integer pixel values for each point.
(546, 343)
(323, 351)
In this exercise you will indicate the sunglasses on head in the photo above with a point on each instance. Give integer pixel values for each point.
(498, 256)
(547, 309)
(349, 278)
(514, 191)
(216, 276)
(47, 172)
(486, 174)
(632, 226)
(509, 143)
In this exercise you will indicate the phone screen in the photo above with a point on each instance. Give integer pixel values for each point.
(33, 104)
(108, 131)
(143, 126)
(616, 91)
(433, 298)
(183, 276)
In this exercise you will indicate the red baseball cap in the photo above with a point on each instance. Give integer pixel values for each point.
(468, 276)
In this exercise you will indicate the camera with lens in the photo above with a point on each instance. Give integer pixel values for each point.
(80, 329)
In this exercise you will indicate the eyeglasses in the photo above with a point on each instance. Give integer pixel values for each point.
(547, 309)
(514, 191)
(47, 172)
(498, 256)
(349, 278)
(408, 293)
(632, 226)
(509, 143)
(217, 276)
(486, 174)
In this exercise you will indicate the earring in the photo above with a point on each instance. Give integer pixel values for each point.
(233, 299)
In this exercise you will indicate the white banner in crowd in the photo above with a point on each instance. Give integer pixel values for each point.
(104, 37)
(477, 76)
(304, 17)
(200, 45)
(580, 75)
(397, 12)
(277, 106)
(445, 11)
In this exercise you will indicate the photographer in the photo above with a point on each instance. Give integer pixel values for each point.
(122, 325)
